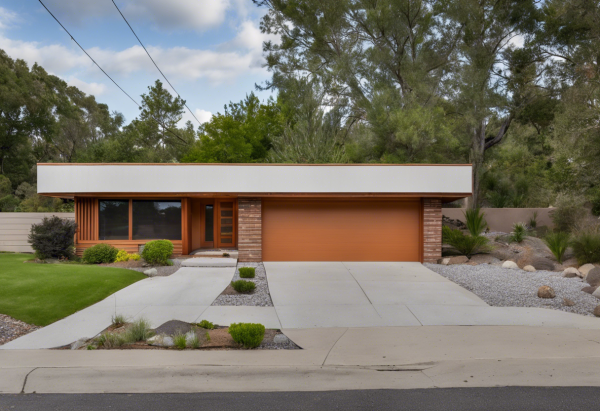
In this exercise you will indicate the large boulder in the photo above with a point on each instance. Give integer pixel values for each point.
(571, 273)
(483, 259)
(593, 277)
(589, 290)
(161, 340)
(597, 293)
(542, 264)
(585, 269)
(153, 272)
(460, 259)
(509, 264)
(546, 292)
(597, 311)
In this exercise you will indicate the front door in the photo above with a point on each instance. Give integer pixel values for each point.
(225, 218)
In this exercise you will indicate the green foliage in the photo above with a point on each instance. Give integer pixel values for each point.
(100, 253)
(557, 242)
(243, 286)
(475, 221)
(122, 255)
(5, 186)
(463, 243)
(157, 252)
(9, 203)
(594, 199)
(194, 341)
(111, 340)
(567, 214)
(139, 330)
(53, 237)
(118, 320)
(586, 246)
(518, 233)
(180, 340)
(206, 324)
(247, 272)
(533, 220)
(247, 334)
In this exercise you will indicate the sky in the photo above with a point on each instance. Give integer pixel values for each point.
(210, 50)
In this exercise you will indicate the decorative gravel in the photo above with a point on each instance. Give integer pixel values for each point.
(11, 329)
(501, 287)
(259, 298)
(162, 271)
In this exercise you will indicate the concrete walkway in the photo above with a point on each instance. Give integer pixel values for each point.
(376, 294)
(184, 295)
(331, 359)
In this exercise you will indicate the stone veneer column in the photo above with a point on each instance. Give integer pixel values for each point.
(432, 230)
(250, 229)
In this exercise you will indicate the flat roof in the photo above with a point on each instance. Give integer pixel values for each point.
(72, 179)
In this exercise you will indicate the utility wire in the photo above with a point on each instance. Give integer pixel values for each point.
(155, 65)
(106, 74)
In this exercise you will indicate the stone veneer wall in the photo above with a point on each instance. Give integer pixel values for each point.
(249, 229)
(432, 230)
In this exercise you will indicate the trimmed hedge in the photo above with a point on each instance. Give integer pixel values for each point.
(53, 237)
(248, 334)
(100, 253)
(243, 286)
(247, 272)
(157, 252)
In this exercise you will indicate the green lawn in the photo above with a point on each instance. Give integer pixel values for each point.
(43, 293)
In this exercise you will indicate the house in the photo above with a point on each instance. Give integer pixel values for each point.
(268, 212)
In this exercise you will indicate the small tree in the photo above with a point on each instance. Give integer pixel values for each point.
(53, 238)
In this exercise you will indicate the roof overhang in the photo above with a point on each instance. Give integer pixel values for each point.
(165, 180)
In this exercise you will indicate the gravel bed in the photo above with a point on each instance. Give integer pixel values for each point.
(501, 287)
(11, 329)
(259, 298)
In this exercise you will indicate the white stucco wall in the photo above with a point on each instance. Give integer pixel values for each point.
(219, 178)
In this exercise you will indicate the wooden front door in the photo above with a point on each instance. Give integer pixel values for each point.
(225, 218)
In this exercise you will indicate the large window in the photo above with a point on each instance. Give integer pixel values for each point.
(156, 220)
(114, 219)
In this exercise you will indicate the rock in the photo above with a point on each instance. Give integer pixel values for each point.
(585, 269)
(151, 272)
(543, 264)
(597, 293)
(79, 343)
(568, 303)
(280, 339)
(443, 261)
(509, 264)
(161, 340)
(597, 311)
(529, 268)
(483, 259)
(546, 292)
(571, 262)
(589, 290)
(593, 277)
(173, 327)
(461, 259)
(571, 273)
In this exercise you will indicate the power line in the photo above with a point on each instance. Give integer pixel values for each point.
(106, 74)
(155, 65)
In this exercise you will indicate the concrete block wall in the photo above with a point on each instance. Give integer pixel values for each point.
(15, 228)
(249, 229)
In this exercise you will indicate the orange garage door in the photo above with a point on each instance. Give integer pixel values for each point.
(337, 230)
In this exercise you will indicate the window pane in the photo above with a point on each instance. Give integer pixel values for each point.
(156, 220)
(114, 220)
(209, 216)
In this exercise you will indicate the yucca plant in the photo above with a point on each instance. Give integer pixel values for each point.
(463, 243)
(475, 220)
(519, 233)
(557, 242)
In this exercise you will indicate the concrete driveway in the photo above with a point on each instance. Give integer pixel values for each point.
(375, 294)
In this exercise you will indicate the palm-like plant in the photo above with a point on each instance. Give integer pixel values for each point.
(519, 233)
(475, 220)
(557, 242)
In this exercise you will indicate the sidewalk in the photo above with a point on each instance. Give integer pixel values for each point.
(332, 359)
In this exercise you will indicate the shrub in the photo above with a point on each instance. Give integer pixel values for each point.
(243, 286)
(557, 242)
(100, 253)
(111, 340)
(206, 325)
(533, 220)
(464, 244)
(475, 220)
(118, 320)
(139, 330)
(519, 233)
(247, 272)
(53, 237)
(194, 341)
(180, 340)
(568, 212)
(586, 247)
(247, 334)
(157, 251)
(134, 257)
(122, 255)
(9, 203)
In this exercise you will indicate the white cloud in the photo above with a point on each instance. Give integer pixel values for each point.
(518, 41)
(94, 89)
(250, 37)
(203, 115)
(7, 18)
(196, 15)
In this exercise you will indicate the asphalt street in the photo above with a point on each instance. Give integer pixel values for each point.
(451, 399)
